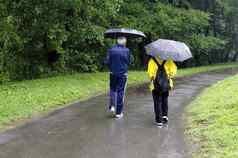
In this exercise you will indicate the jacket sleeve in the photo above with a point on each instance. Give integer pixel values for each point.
(171, 68)
(152, 69)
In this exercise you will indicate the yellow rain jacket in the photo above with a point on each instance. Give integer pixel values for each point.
(170, 68)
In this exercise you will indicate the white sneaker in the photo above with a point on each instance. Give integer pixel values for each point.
(165, 119)
(112, 109)
(118, 116)
(159, 125)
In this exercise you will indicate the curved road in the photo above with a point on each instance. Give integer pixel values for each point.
(85, 130)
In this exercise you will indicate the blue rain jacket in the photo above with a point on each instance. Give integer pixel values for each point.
(118, 59)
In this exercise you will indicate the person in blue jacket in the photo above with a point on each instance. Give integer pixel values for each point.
(118, 60)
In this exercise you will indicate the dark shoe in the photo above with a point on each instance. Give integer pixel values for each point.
(165, 119)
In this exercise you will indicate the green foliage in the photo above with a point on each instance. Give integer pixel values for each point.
(44, 37)
(165, 21)
(207, 50)
(11, 46)
(231, 29)
(213, 121)
(178, 23)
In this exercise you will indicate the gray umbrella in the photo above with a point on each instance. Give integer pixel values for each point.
(169, 49)
(129, 33)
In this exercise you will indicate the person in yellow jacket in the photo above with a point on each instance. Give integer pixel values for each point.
(161, 97)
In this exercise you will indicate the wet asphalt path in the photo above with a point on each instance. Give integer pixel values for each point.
(85, 130)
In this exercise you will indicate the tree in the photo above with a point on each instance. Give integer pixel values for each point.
(44, 37)
(231, 32)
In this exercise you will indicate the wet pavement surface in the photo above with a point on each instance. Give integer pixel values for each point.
(86, 129)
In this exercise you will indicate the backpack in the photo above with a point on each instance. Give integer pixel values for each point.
(161, 82)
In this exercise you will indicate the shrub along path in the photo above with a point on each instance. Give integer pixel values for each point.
(85, 130)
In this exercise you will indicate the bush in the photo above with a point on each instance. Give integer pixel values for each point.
(44, 37)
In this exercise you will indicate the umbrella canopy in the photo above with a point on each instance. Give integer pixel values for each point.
(169, 49)
(129, 33)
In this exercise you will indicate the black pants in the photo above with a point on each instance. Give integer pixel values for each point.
(160, 105)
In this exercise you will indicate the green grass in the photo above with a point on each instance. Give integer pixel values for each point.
(213, 121)
(21, 100)
(191, 71)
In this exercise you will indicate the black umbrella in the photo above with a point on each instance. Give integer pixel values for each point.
(128, 33)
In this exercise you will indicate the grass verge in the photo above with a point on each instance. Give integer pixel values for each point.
(21, 100)
(213, 122)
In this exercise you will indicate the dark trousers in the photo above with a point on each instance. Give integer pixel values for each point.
(117, 91)
(160, 105)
